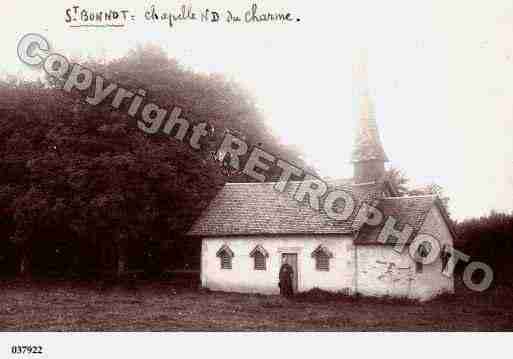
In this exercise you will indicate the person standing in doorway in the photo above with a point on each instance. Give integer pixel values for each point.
(285, 284)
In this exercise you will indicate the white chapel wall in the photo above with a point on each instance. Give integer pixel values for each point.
(244, 278)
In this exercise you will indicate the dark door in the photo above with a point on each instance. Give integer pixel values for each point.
(291, 259)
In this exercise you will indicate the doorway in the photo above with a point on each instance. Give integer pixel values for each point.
(291, 259)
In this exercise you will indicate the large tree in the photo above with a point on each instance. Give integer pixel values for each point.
(87, 175)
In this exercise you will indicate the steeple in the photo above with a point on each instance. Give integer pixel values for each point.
(368, 155)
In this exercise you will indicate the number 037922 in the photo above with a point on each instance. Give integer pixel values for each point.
(26, 349)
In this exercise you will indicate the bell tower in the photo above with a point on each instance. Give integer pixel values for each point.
(368, 155)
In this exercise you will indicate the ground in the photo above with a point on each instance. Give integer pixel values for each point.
(168, 306)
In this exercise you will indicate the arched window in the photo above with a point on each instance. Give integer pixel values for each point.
(259, 255)
(322, 258)
(225, 254)
(259, 261)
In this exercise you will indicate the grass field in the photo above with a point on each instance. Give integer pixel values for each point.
(163, 306)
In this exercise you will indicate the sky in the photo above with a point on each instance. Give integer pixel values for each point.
(440, 73)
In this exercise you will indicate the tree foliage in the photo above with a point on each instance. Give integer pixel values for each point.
(489, 239)
(70, 171)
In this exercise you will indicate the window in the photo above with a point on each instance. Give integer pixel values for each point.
(225, 255)
(226, 261)
(259, 261)
(259, 255)
(322, 263)
(422, 252)
(322, 258)
(418, 267)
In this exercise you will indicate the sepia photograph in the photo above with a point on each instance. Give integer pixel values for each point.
(217, 174)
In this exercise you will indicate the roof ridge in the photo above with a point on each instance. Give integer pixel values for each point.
(348, 180)
(416, 196)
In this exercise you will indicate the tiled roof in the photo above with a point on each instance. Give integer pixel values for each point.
(257, 208)
(406, 210)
